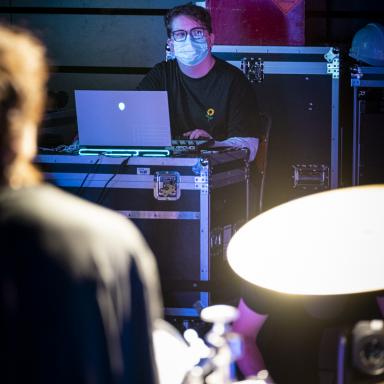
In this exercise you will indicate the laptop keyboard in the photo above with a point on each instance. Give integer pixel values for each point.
(191, 145)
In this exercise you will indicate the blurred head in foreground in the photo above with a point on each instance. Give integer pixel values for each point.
(23, 76)
(79, 291)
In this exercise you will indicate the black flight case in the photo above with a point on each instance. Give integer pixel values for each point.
(368, 125)
(298, 88)
(187, 208)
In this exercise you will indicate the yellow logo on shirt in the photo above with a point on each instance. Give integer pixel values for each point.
(210, 113)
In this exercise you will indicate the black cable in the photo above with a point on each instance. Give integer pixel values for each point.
(103, 192)
(80, 189)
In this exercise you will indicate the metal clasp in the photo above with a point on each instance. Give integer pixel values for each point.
(167, 185)
(310, 176)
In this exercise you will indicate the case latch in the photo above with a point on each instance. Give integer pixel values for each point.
(167, 185)
(253, 69)
(310, 176)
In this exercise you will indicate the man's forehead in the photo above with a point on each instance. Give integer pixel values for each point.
(184, 22)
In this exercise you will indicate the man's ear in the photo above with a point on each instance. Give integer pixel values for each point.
(211, 40)
(170, 45)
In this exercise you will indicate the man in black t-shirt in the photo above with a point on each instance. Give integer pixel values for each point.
(208, 98)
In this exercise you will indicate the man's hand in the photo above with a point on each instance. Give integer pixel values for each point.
(197, 134)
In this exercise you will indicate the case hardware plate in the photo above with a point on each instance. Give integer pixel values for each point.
(253, 69)
(167, 185)
(333, 59)
(310, 176)
(201, 182)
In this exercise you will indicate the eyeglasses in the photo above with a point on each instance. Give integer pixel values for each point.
(197, 34)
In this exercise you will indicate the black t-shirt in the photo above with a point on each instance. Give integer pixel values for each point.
(223, 102)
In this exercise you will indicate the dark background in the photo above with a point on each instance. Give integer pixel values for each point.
(112, 44)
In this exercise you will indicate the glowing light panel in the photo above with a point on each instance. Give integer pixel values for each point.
(323, 244)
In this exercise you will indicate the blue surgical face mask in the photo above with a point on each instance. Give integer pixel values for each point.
(190, 52)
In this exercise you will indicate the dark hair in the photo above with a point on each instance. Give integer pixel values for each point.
(195, 12)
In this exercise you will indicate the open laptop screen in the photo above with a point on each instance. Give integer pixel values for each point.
(122, 119)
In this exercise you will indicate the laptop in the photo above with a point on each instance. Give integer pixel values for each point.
(123, 123)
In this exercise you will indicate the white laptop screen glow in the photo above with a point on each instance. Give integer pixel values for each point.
(122, 119)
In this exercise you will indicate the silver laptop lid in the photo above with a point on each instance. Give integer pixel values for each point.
(122, 119)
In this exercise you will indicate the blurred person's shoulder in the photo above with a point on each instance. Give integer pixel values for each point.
(70, 229)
